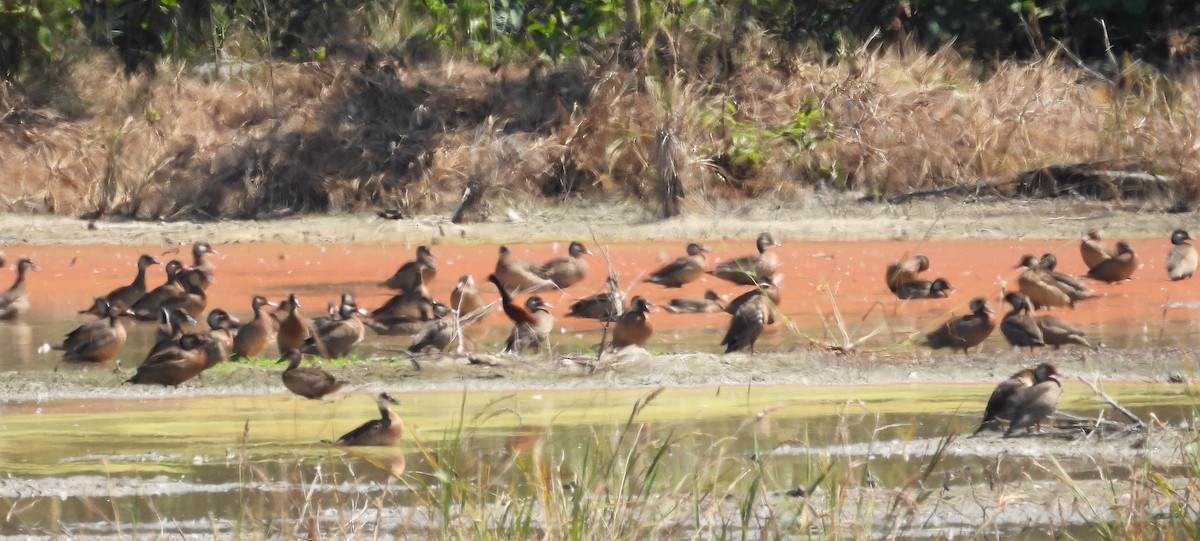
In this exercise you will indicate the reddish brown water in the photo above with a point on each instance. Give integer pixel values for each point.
(817, 277)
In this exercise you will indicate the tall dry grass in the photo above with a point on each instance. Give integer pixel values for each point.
(703, 120)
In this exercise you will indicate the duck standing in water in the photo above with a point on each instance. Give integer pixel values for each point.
(308, 381)
(1181, 260)
(964, 332)
(633, 327)
(1018, 325)
(1034, 404)
(339, 337)
(96, 341)
(567, 270)
(747, 324)
(293, 328)
(684, 270)
(252, 337)
(123, 297)
(15, 301)
(751, 269)
(905, 271)
(1000, 404)
(384, 431)
(177, 364)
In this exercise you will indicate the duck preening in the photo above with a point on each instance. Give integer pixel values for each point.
(905, 271)
(96, 341)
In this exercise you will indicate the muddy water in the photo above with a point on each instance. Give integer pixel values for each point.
(819, 278)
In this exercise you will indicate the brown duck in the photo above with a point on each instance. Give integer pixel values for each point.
(518, 275)
(684, 270)
(309, 381)
(1034, 404)
(338, 338)
(293, 328)
(146, 308)
(1092, 249)
(1074, 289)
(407, 326)
(98, 340)
(169, 330)
(567, 270)
(123, 297)
(685, 305)
(222, 327)
(534, 332)
(1000, 404)
(192, 299)
(1042, 289)
(747, 270)
(252, 337)
(1117, 268)
(437, 332)
(15, 301)
(384, 431)
(603, 306)
(633, 327)
(333, 312)
(412, 274)
(1058, 333)
(964, 332)
(747, 324)
(466, 300)
(1181, 260)
(924, 289)
(177, 364)
(905, 271)
(768, 287)
(1018, 325)
(200, 261)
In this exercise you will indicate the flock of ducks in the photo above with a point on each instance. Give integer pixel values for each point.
(178, 356)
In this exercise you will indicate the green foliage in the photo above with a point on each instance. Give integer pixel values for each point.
(30, 30)
(746, 144)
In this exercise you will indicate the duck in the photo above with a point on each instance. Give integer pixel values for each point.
(1181, 260)
(252, 337)
(1035, 403)
(222, 327)
(768, 287)
(466, 300)
(1058, 333)
(750, 269)
(1092, 250)
(146, 307)
(202, 263)
(310, 382)
(95, 341)
(333, 312)
(1117, 268)
(964, 332)
(436, 332)
(293, 328)
(604, 306)
(747, 324)
(407, 326)
(567, 270)
(905, 271)
(939, 288)
(633, 327)
(175, 365)
(384, 431)
(404, 306)
(1018, 325)
(684, 270)
(421, 270)
(534, 333)
(169, 329)
(123, 297)
(1074, 289)
(338, 338)
(1000, 404)
(1038, 286)
(519, 275)
(15, 301)
(193, 298)
(710, 303)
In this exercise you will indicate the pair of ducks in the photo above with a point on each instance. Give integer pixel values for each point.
(902, 279)
(1108, 265)
(314, 383)
(1019, 327)
(748, 270)
(178, 357)
(1025, 399)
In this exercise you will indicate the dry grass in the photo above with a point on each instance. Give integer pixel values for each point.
(346, 134)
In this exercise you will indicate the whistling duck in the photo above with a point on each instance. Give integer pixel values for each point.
(1038, 286)
(768, 287)
(633, 327)
(684, 270)
(1074, 289)
(1000, 404)
(567, 270)
(531, 334)
(964, 332)
(747, 324)
(146, 308)
(905, 270)
(603, 306)
(202, 263)
(123, 297)
(1093, 250)
(1181, 260)
(1118, 267)
(924, 289)
(1018, 325)
(98, 340)
(338, 338)
(252, 337)
(1033, 404)
(466, 300)
(519, 275)
(175, 365)
(686, 305)
(170, 329)
(412, 274)
(309, 381)
(15, 301)
(222, 328)
(436, 332)
(384, 431)
(1058, 333)
(293, 328)
(750, 269)
(193, 299)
